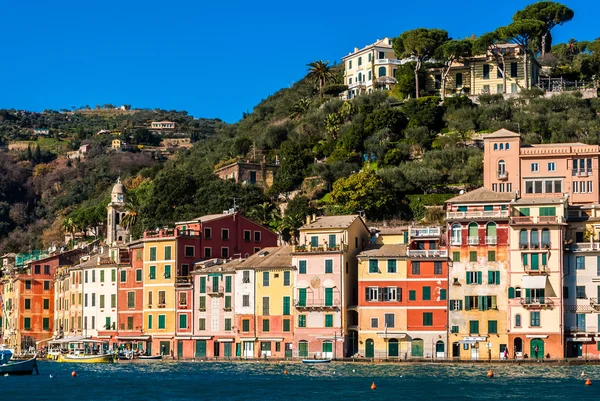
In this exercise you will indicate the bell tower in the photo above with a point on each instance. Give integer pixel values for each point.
(116, 233)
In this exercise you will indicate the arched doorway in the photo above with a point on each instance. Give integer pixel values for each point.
(539, 343)
(416, 348)
(518, 346)
(393, 347)
(440, 349)
(369, 348)
(303, 349)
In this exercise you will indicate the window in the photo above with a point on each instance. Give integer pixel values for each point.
(416, 268)
(514, 88)
(202, 303)
(412, 295)
(190, 251)
(493, 277)
(202, 324)
(491, 256)
(131, 299)
(123, 276)
(580, 321)
(286, 278)
(225, 253)
(349, 64)
(301, 320)
(183, 321)
(101, 301)
(534, 318)
(580, 263)
(246, 300)
(162, 322)
(374, 322)
(473, 326)
(265, 308)
(454, 330)
(37, 269)
(535, 167)
(517, 320)
(168, 252)
(500, 88)
(46, 323)
(265, 279)
(438, 81)
(459, 80)
(46, 285)
(369, 57)
(473, 256)
(86, 276)
(389, 320)
(442, 295)
(202, 285)
(455, 304)
(153, 254)
(302, 267)
(46, 269)
(513, 71)
(152, 272)
(167, 271)
(27, 303)
(93, 299)
(207, 233)
(138, 275)
(382, 72)
(266, 325)
(47, 303)
(129, 322)
(486, 71)
(456, 256)
(473, 277)
(391, 294)
(373, 266)
(426, 293)
(427, 319)
(256, 236)
(27, 323)
(286, 306)
(328, 320)
(27, 284)
(225, 234)
(329, 266)
(161, 297)
(492, 327)
(551, 166)
(359, 61)
(328, 296)
(372, 294)
(437, 267)
(580, 292)
(113, 300)
(370, 73)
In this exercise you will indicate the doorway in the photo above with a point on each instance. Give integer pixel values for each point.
(536, 344)
(455, 350)
(369, 349)
(200, 348)
(393, 347)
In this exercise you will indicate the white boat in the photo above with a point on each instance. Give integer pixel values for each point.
(11, 368)
(316, 360)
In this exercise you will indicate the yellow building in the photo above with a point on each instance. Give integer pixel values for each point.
(480, 75)
(370, 68)
(68, 303)
(159, 290)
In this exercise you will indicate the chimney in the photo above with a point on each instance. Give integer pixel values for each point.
(307, 219)
(314, 217)
(355, 49)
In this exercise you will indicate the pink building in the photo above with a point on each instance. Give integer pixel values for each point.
(542, 170)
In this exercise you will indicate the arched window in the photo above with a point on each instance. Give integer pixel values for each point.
(456, 234)
(381, 72)
(545, 238)
(511, 292)
(501, 168)
(501, 146)
(360, 77)
(517, 292)
(535, 238)
(517, 320)
(495, 146)
(490, 234)
(473, 234)
(507, 146)
(523, 243)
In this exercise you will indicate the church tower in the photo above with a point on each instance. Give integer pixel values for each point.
(116, 233)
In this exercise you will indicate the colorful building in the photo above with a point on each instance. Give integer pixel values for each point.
(326, 285)
(478, 227)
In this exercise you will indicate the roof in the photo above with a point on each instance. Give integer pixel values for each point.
(331, 222)
(389, 250)
(211, 217)
(390, 230)
(379, 43)
(483, 195)
(217, 265)
(269, 258)
(532, 201)
(9, 255)
(502, 133)
(562, 144)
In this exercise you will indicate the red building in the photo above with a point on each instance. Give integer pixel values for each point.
(427, 290)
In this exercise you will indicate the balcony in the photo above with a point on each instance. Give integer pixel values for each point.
(585, 247)
(594, 303)
(535, 246)
(388, 61)
(491, 240)
(537, 303)
(359, 84)
(425, 232)
(319, 248)
(162, 305)
(542, 269)
(502, 175)
(214, 291)
(183, 281)
(582, 329)
(581, 173)
(477, 215)
(455, 241)
(528, 220)
(473, 240)
(317, 304)
(427, 253)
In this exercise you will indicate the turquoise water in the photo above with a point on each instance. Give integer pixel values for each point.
(266, 381)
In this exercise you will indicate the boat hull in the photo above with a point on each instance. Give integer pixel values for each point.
(19, 368)
(316, 360)
(87, 358)
(150, 357)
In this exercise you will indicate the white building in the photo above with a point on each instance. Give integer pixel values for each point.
(99, 296)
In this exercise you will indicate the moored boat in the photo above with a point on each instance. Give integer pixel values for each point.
(316, 360)
(27, 367)
(82, 358)
(80, 350)
(150, 357)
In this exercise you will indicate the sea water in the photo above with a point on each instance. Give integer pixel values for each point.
(221, 381)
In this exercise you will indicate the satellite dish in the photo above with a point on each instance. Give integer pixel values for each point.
(462, 191)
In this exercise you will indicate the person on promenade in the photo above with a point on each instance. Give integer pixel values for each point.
(506, 353)
(536, 350)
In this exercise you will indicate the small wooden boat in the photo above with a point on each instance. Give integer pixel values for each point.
(19, 368)
(316, 360)
(72, 358)
(150, 357)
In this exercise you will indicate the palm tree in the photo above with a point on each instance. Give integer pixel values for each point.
(68, 225)
(319, 72)
(300, 108)
(132, 207)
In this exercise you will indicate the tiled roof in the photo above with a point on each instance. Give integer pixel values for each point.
(532, 201)
(271, 257)
(391, 230)
(331, 222)
(390, 250)
(483, 195)
(502, 133)
(210, 217)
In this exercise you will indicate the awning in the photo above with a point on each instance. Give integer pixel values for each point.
(225, 340)
(467, 342)
(580, 339)
(247, 338)
(133, 338)
(536, 336)
(43, 341)
(535, 282)
(596, 338)
(276, 339)
(391, 334)
(106, 337)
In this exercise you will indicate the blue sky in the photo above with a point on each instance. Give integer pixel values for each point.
(213, 60)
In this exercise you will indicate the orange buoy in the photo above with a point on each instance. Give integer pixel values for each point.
(285, 372)
(588, 382)
(73, 373)
(373, 386)
(490, 373)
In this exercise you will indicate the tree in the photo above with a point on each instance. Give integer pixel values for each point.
(300, 108)
(550, 14)
(488, 43)
(419, 44)
(522, 32)
(451, 52)
(320, 73)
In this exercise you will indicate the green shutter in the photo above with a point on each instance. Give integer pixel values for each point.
(161, 321)
(442, 295)
(535, 261)
(152, 272)
(152, 254)
(524, 211)
(490, 277)
(149, 321)
(479, 275)
(328, 296)
(183, 321)
(412, 295)
(426, 293)
(328, 266)
(302, 267)
(286, 325)
(167, 271)
(123, 276)
(497, 277)
(227, 283)
(302, 297)
(286, 305)
(245, 325)
(544, 259)
(467, 305)
(468, 275)
(525, 259)
(202, 284)
(328, 320)
(511, 292)
(456, 256)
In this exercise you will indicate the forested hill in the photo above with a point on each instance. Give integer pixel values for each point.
(387, 154)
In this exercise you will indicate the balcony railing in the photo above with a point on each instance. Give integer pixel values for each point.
(581, 173)
(585, 247)
(482, 214)
(320, 248)
(210, 290)
(473, 240)
(537, 302)
(455, 241)
(359, 84)
(183, 281)
(515, 220)
(502, 175)
(317, 304)
(582, 329)
(491, 240)
(427, 253)
(388, 61)
(542, 269)
(425, 232)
